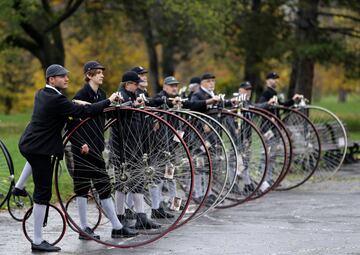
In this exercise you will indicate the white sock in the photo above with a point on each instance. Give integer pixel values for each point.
(155, 197)
(246, 177)
(198, 186)
(206, 181)
(81, 203)
(139, 202)
(231, 175)
(26, 172)
(120, 202)
(172, 189)
(109, 208)
(39, 215)
(129, 200)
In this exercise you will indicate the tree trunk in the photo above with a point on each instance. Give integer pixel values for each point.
(252, 59)
(153, 66)
(342, 95)
(168, 62)
(252, 73)
(305, 76)
(8, 103)
(293, 76)
(306, 34)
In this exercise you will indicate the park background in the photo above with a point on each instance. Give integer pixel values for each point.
(314, 45)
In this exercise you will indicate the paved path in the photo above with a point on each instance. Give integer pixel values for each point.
(317, 218)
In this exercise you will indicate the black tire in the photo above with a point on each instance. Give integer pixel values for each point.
(306, 144)
(54, 228)
(95, 212)
(222, 152)
(6, 174)
(18, 206)
(253, 156)
(278, 150)
(194, 140)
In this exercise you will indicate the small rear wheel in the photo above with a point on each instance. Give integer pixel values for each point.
(53, 228)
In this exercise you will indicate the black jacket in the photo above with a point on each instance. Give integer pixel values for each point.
(199, 105)
(42, 136)
(201, 95)
(91, 133)
(268, 94)
(125, 134)
(140, 91)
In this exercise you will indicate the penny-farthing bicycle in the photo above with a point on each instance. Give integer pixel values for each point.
(141, 154)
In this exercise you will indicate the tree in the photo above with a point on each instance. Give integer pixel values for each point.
(257, 32)
(321, 40)
(15, 76)
(306, 34)
(36, 27)
(171, 30)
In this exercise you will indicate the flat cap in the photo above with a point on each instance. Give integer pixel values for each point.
(195, 80)
(207, 76)
(272, 75)
(170, 80)
(131, 76)
(139, 70)
(245, 85)
(92, 65)
(55, 70)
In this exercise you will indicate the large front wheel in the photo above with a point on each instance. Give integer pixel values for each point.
(144, 158)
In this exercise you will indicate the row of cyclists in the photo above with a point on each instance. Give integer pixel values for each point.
(52, 111)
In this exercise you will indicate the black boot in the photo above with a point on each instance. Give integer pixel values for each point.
(142, 222)
(89, 233)
(124, 232)
(236, 189)
(123, 220)
(160, 214)
(130, 215)
(44, 246)
(210, 200)
(19, 192)
(249, 188)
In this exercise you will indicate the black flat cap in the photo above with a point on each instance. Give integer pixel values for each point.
(207, 76)
(139, 70)
(245, 85)
(195, 80)
(131, 76)
(272, 75)
(92, 65)
(55, 70)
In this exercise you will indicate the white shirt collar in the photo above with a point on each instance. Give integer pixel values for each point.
(211, 93)
(51, 87)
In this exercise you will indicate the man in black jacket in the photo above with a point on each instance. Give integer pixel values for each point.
(245, 137)
(207, 92)
(194, 86)
(272, 80)
(169, 96)
(142, 86)
(87, 146)
(42, 139)
(126, 147)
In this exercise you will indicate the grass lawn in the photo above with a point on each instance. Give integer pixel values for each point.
(11, 128)
(348, 112)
